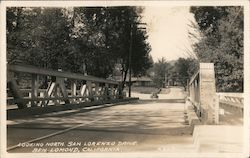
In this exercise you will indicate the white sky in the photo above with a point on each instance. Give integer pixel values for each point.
(167, 28)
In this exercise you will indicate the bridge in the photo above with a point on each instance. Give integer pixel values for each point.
(76, 113)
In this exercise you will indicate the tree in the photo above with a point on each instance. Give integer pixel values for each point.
(40, 37)
(160, 70)
(221, 42)
(141, 59)
(106, 30)
(91, 40)
(185, 68)
(80, 39)
(176, 71)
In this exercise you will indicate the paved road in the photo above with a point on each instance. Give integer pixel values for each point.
(143, 126)
(140, 126)
(174, 93)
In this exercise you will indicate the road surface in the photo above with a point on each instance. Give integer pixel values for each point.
(138, 126)
(172, 93)
(148, 125)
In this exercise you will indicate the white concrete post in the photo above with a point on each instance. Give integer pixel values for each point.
(207, 92)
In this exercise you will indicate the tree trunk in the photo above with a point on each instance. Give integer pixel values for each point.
(124, 79)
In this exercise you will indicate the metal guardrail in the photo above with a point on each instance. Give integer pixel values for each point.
(82, 88)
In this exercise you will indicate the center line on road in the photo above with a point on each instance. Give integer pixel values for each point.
(65, 130)
(56, 133)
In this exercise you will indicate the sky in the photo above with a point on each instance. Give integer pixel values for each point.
(167, 29)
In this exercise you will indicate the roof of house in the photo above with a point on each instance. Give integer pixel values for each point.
(134, 79)
(143, 78)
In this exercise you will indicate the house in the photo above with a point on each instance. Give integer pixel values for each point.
(138, 81)
(143, 82)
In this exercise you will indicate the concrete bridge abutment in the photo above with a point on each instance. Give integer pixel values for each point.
(203, 96)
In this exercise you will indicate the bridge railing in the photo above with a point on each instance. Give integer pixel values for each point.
(31, 86)
(202, 94)
(234, 100)
(194, 90)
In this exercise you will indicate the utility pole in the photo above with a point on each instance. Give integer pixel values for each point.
(130, 53)
(129, 59)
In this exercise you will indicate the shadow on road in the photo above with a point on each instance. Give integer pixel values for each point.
(66, 113)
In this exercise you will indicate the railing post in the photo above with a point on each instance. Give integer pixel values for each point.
(106, 91)
(111, 91)
(207, 92)
(34, 90)
(61, 85)
(83, 90)
(216, 108)
(49, 91)
(203, 94)
(14, 89)
(191, 89)
(119, 92)
(102, 91)
(90, 90)
(97, 93)
(73, 90)
(57, 94)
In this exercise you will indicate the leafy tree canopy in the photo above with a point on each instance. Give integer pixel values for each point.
(179, 70)
(221, 42)
(80, 39)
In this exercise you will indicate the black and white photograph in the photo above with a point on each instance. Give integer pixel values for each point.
(125, 79)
